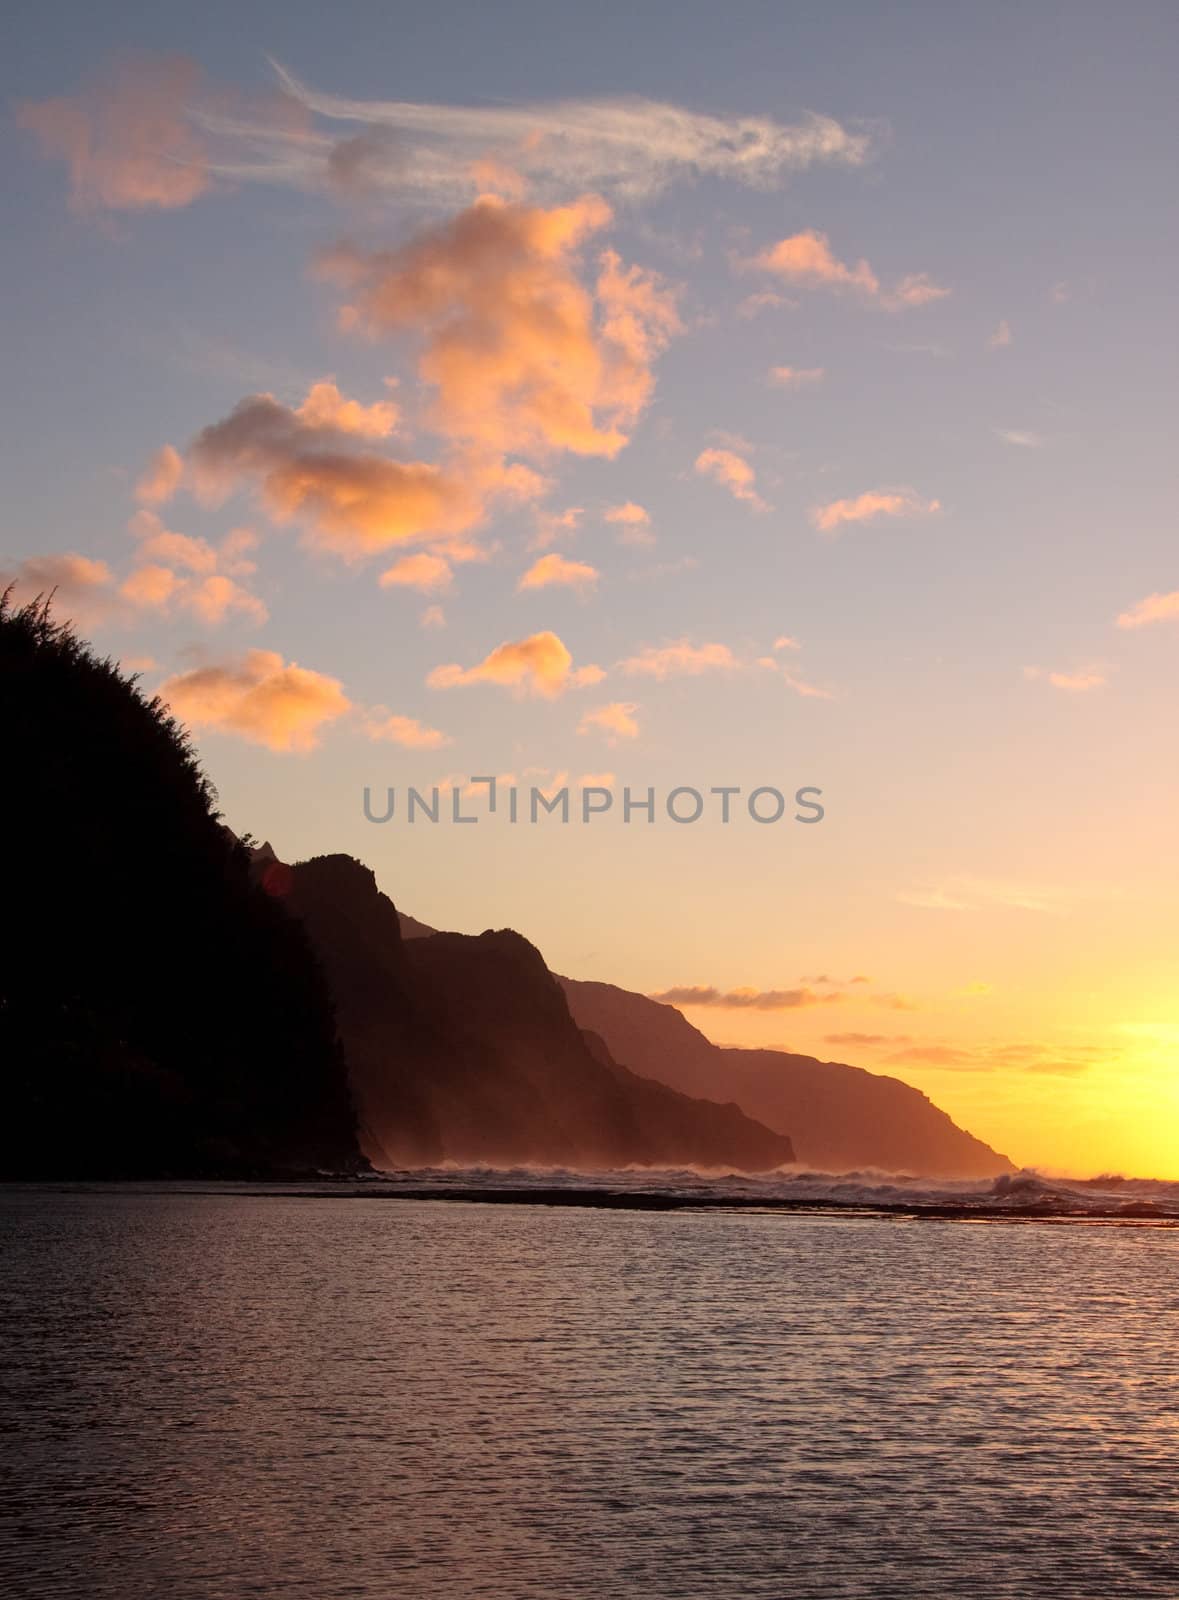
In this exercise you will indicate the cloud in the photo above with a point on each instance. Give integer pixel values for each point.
(162, 478)
(1021, 438)
(521, 355)
(81, 587)
(746, 999)
(1001, 337)
(405, 731)
(678, 659)
(865, 1041)
(786, 641)
(964, 893)
(874, 503)
(1077, 682)
(538, 665)
(633, 522)
(207, 583)
(793, 377)
(426, 573)
(806, 259)
(916, 289)
(432, 617)
(554, 569)
(764, 300)
(626, 146)
(733, 473)
(352, 498)
(1155, 608)
(805, 689)
(126, 139)
(326, 407)
(553, 525)
(259, 698)
(616, 721)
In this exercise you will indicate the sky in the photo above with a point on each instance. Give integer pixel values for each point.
(777, 396)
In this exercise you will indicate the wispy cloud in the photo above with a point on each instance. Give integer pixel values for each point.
(1021, 438)
(626, 146)
(1077, 681)
(127, 139)
(616, 720)
(964, 893)
(807, 261)
(874, 503)
(793, 377)
(408, 732)
(734, 473)
(745, 999)
(1155, 608)
(678, 659)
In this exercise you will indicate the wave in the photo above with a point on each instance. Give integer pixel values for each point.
(1026, 1193)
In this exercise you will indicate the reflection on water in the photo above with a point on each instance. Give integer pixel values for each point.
(208, 1397)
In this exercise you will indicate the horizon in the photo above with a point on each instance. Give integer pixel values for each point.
(549, 415)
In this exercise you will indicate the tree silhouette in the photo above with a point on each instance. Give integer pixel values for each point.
(160, 1013)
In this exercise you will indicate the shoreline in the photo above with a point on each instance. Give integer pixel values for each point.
(600, 1199)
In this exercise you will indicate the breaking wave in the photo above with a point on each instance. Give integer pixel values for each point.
(1026, 1193)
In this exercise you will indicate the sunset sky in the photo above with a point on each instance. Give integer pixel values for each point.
(651, 395)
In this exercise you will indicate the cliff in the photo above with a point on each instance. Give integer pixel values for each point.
(841, 1118)
(463, 1049)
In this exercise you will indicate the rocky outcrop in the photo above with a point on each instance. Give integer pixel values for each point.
(463, 1049)
(841, 1118)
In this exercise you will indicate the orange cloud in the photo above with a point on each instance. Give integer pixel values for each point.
(745, 999)
(875, 503)
(259, 698)
(127, 140)
(538, 665)
(162, 478)
(552, 525)
(554, 569)
(81, 587)
(633, 522)
(405, 731)
(793, 377)
(326, 407)
(1077, 682)
(521, 355)
(433, 617)
(1155, 608)
(616, 721)
(678, 659)
(807, 259)
(210, 592)
(733, 473)
(426, 573)
(351, 498)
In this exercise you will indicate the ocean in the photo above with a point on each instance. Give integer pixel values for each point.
(211, 1392)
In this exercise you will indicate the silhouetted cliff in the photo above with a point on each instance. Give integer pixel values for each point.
(463, 1049)
(841, 1118)
(160, 1015)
